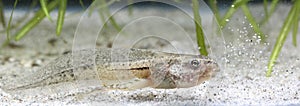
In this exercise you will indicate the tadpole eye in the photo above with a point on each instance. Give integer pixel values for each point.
(195, 63)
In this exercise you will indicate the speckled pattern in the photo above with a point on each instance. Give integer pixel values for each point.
(120, 68)
(242, 62)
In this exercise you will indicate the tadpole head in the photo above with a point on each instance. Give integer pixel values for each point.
(191, 70)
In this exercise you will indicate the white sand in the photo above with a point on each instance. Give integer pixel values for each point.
(242, 60)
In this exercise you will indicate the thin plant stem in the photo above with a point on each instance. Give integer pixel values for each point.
(81, 4)
(266, 8)
(130, 8)
(99, 4)
(199, 31)
(282, 36)
(21, 19)
(114, 23)
(295, 32)
(10, 20)
(102, 17)
(111, 18)
(44, 7)
(92, 8)
(272, 9)
(61, 16)
(295, 26)
(35, 20)
(253, 22)
(213, 4)
(234, 7)
(2, 17)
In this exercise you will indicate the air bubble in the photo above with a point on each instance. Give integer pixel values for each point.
(240, 53)
(199, 48)
(267, 44)
(258, 40)
(228, 27)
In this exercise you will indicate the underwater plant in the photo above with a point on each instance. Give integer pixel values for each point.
(290, 24)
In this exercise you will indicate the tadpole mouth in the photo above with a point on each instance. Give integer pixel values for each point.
(205, 76)
(211, 70)
(216, 67)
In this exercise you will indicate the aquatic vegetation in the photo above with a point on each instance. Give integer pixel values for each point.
(61, 16)
(102, 6)
(39, 15)
(2, 19)
(292, 20)
(199, 31)
(44, 7)
(10, 19)
(268, 13)
(234, 7)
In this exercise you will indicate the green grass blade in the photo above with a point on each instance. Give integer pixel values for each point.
(130, 8)
(295, 31)
(102, 17)
(100, 4)
(105, 10)
(273, 6)
(61, 16)
(266, 8)
(21, 19)
(35, 20)
(272, 9)
(2, 17)
(234, 7)
(111, 18)
(253, 22)
(44, 7)
(282, 37)
(9, 22)
(199, 31)
(115, 24)
(81, 4)
(296, 25)
(213, 5)
(91, 8)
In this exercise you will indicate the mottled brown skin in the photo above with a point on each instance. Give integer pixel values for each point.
(123, 69)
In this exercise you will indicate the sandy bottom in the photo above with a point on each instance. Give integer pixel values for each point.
(237, 50)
